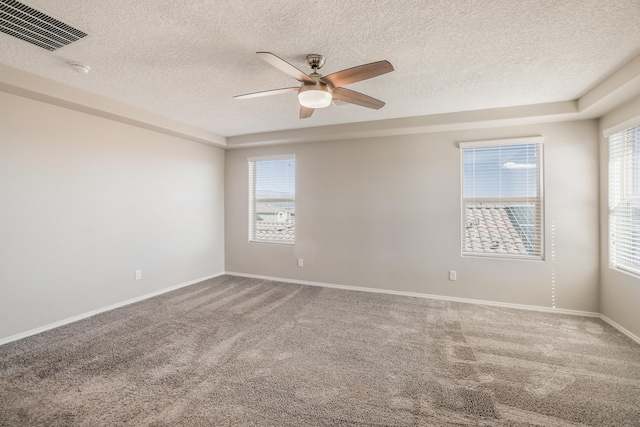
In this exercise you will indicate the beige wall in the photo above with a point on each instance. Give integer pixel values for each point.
(385, 213)
(85, 201)
(619, 292)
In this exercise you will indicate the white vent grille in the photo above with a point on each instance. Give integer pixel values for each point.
(28, 24)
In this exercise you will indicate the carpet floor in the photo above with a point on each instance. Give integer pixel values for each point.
(238, 351)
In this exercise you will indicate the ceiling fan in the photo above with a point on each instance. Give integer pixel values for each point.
(316, 90)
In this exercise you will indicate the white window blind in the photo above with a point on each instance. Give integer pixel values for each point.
(624, 200)
(502, 198)
(272, 199)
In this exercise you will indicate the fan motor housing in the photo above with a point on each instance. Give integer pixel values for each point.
(315, 61)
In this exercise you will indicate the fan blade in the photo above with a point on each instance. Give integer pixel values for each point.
(267, 92)
(357, 98)
(356, 74)
(284, 66)
(305, 112)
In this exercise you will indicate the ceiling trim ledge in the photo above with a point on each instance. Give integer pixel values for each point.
(497, 117)
(20, 83)
(622, 85)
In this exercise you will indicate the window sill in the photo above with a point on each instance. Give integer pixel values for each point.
(628, 272)
(503, 257)
(273, 242)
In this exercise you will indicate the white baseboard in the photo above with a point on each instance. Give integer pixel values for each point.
(102, 310)
(621, 329)
(326, 285)
(430, 296)
(456, 299)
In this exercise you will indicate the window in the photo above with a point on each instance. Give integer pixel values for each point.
(624, 200)
(272, 199)
(502, 200)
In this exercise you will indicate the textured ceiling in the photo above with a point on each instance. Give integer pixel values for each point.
(186, 60)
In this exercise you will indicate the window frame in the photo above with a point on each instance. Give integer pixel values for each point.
(253, 199)
(538, 199)
(621, 199)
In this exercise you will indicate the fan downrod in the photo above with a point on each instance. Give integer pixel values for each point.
(315, 61)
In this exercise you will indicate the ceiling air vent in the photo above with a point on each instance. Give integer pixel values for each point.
(28, 24)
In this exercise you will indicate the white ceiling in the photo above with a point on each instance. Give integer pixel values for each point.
(186, 60)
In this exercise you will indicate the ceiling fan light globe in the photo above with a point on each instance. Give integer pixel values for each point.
(315, 96)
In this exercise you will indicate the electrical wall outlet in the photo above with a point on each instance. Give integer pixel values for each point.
(452, 275)
(138, 274)
(300, 262)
